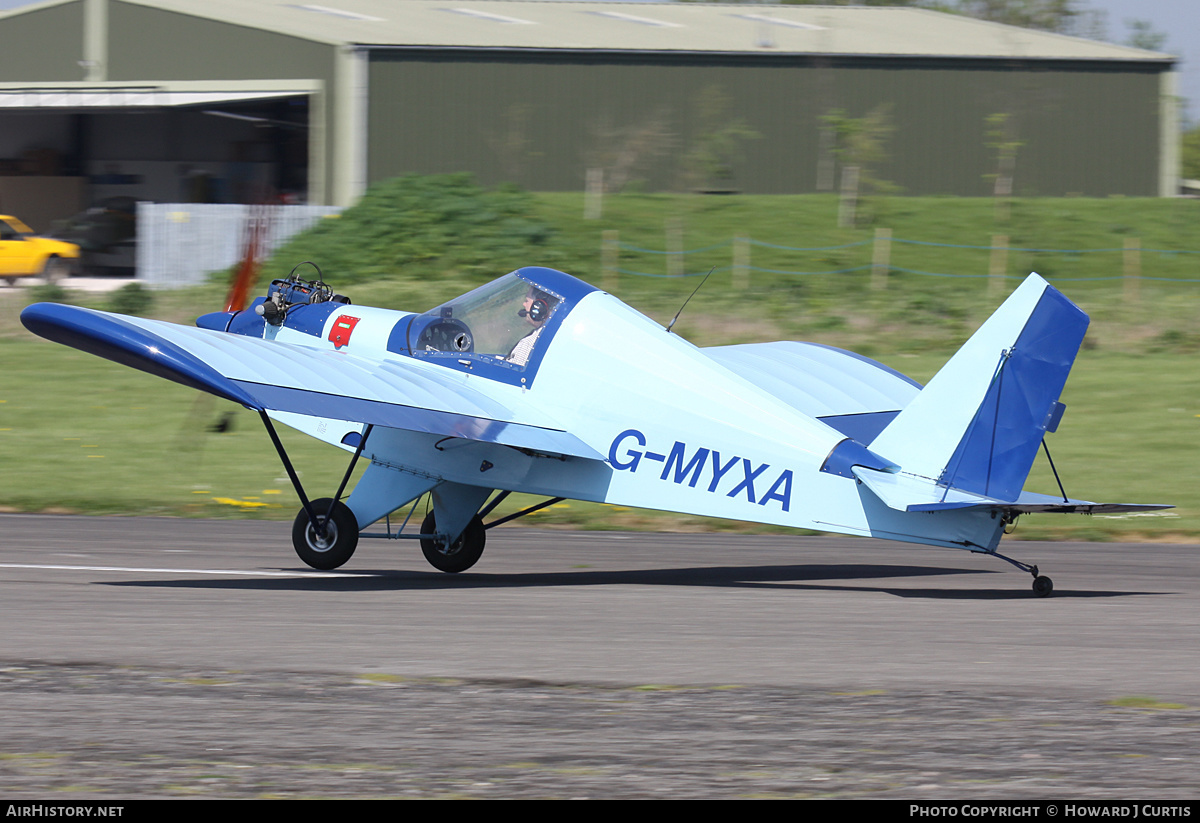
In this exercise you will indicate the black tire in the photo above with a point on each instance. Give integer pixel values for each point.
(55, 269)
(460, 555)
(1042, 586)
(339, 543)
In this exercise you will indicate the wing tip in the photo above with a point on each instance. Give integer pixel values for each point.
(111, 337)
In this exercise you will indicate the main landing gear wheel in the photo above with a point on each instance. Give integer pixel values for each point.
(460, 555)
(334, 547)
(1042, 586)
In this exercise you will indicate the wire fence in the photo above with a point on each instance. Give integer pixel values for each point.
(878, 256)
(180, 244)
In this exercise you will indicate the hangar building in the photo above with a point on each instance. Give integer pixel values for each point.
(212, 100)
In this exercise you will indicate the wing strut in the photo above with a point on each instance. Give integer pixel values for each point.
(316, 521)
(362, 441)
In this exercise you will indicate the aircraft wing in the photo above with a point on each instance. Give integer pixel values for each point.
(266, 375)
(854, 394)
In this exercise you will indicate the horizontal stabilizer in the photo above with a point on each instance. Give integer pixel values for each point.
(906, 492)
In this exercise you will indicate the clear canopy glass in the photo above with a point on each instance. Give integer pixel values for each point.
(502, 319)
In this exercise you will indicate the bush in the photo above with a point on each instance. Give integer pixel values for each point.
(132, 298)
(421, 226)
(48, 293)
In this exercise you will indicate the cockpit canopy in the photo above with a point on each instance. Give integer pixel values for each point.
(500, 330)
(490, 320)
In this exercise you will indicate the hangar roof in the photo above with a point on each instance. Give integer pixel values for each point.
(658, 27)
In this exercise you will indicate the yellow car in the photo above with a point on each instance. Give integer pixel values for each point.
(23, 253)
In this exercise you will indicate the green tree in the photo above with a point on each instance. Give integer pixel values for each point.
(860, 146)
(1001, 138)
(1047, 15)
(1063, 16)
(1143, 36)
(716, 149)
(620, 153)
(511, 141)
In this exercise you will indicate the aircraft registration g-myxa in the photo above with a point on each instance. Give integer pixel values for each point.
(541, 383)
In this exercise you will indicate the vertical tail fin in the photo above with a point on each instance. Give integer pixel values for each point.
(979, 422)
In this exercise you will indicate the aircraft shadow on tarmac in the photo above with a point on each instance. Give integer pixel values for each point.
(806, 577)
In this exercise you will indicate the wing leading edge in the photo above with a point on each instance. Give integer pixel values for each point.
(272, 376)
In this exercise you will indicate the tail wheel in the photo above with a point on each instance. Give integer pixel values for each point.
(460, 555)
(336, 545)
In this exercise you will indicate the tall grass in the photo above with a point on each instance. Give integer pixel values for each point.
(80, 434)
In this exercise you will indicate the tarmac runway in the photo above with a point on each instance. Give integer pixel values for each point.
(178, 658)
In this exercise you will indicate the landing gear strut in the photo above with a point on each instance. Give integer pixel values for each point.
(1042, 585)
(325, 532)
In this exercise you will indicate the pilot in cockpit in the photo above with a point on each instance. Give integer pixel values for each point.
(536, 308)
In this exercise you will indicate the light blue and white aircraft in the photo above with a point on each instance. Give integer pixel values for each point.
(543, 384)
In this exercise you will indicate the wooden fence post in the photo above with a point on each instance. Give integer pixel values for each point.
(881, 259)
(998, 265)
(674, 246)
(848, 201)
(741, 262)
(593, 194)
(1133, 268)
(609, 247)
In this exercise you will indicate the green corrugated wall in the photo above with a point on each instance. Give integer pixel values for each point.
(43, 46)
(1087, 130)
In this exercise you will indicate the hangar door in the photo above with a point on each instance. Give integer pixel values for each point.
(64, 149)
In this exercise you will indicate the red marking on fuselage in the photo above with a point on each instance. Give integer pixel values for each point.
(343, 327)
